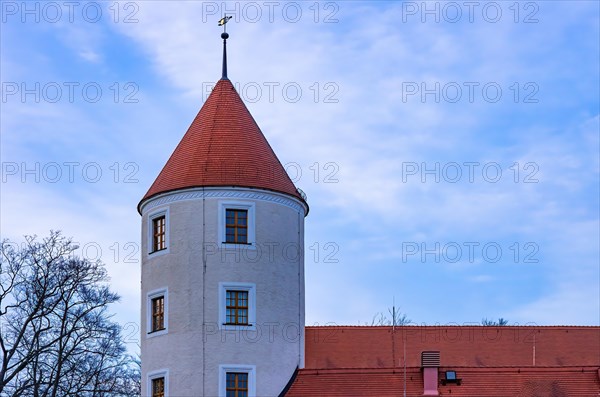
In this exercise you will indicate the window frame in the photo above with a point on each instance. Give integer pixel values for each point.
(237, 378)
(155, 380)
(161, 373)
(159, 242)
(164, 293)
(151, 218)
(248, 206)
(237, 307)
(236, 226)
(235, 286)
(157, 313)
(237, 368)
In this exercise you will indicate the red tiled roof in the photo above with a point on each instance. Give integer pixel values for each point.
(475, 382)
(223, 147)
(466, 346)
(491, 361)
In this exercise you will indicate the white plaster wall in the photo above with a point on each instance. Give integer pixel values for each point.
(192, 356)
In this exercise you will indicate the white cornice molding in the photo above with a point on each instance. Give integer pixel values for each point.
(223, 193)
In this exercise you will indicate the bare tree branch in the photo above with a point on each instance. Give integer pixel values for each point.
(57, 338)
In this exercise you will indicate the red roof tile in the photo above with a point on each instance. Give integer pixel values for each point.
(475, 382)
(223, 147)
(466, 346)
(491, 361)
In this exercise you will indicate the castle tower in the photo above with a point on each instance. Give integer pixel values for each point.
(222, 261)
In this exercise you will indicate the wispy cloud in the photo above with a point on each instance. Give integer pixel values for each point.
(355, 135)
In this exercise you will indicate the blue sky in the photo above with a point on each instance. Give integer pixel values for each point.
(450, 154)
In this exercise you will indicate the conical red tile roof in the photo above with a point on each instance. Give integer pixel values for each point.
(223, 147)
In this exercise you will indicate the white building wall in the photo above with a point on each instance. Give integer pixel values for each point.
(196, 343)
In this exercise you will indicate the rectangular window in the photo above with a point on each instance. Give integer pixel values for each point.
(159, 233)
(158, 387)
(158, 313)
(237, 380)
(237, 384)
(237, 308)
(236, 226)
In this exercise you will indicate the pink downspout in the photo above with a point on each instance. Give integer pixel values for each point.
(430, 382)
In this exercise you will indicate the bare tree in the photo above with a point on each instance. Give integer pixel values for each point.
(57, 338)
(396, 317)
(501, 322)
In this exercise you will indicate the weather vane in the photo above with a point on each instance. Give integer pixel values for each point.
(222, 22)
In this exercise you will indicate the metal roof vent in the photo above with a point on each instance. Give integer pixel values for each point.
(430, 359)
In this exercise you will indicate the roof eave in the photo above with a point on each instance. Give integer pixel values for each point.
(182, 189)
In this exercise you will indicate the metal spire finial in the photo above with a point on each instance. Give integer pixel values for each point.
(223, 22)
